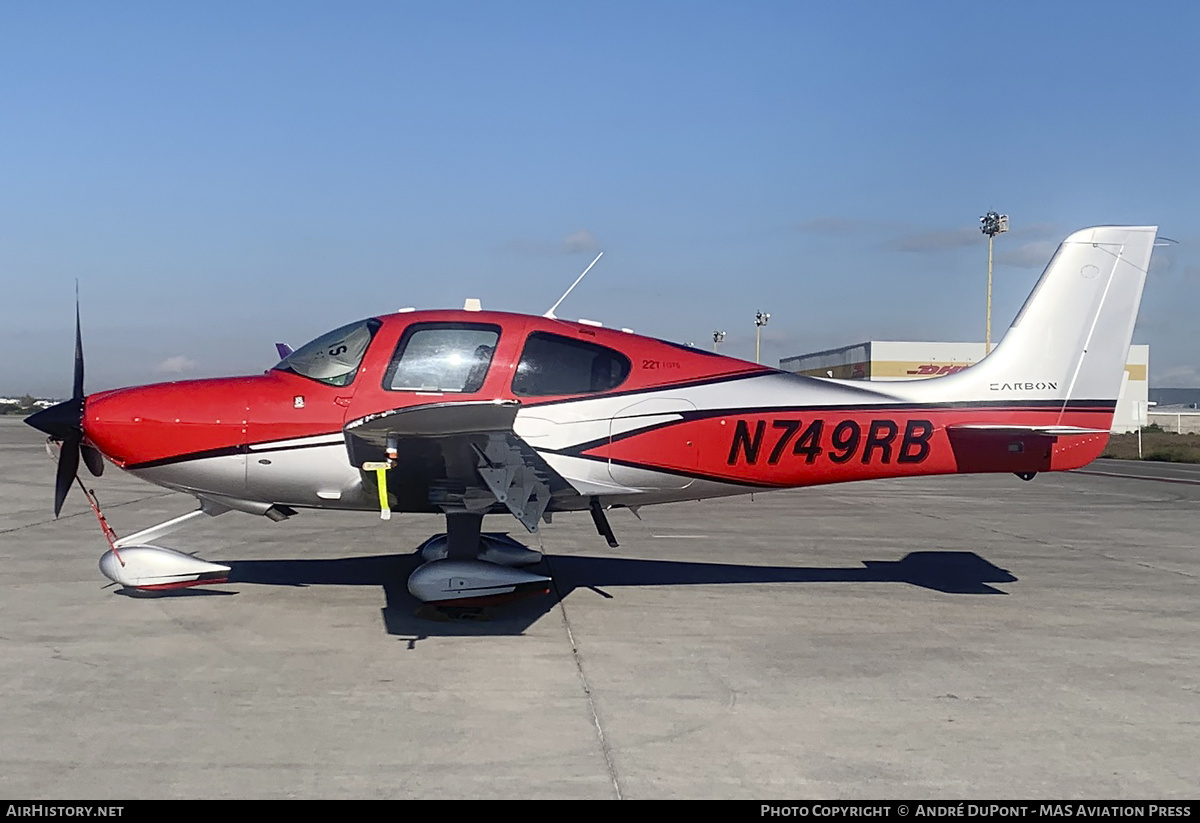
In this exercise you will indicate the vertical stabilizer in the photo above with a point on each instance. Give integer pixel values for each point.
(1070, 341)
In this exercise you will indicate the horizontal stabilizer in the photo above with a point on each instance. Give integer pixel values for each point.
(1006, 431)
(1023, 449)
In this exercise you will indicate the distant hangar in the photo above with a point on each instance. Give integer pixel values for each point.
(907, 360)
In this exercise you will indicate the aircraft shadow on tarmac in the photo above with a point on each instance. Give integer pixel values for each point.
(950, 572)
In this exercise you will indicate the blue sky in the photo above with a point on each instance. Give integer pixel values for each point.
(219, 176)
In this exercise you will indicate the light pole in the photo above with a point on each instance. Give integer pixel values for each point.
(991, 224)
(718, 337)
(760, 320)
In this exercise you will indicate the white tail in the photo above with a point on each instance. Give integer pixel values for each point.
(1070, 340)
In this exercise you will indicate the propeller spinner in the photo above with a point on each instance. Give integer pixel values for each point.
(63, 423)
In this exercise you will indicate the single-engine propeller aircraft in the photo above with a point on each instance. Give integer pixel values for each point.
(469, 413)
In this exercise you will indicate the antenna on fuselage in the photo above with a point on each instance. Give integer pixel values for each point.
(550, 313)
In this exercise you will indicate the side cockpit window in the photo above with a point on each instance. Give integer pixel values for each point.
(332, 358)
(553, 365)
(442, 357)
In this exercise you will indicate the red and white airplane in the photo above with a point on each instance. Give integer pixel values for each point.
(470, 413)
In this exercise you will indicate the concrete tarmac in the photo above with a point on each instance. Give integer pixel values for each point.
(957, 638)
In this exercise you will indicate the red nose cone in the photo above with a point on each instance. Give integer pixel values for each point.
(150, 424)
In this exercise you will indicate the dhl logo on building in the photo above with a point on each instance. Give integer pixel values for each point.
(933, 369)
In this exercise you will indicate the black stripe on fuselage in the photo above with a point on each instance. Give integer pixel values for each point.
(696, 475)
(229, 451)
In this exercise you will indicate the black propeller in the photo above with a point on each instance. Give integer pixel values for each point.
(64, 422)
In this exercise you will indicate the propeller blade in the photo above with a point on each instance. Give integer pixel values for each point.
(92, 459)
(68, 467)
(78, 393)
(64, 423)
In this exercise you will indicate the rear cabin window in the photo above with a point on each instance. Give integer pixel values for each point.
(554, 365)
(442, 357)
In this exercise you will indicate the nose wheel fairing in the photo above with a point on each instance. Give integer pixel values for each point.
(153, 568)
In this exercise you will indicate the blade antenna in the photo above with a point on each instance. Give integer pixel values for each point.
(550, 313)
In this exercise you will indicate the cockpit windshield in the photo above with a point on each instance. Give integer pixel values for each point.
(334, 357)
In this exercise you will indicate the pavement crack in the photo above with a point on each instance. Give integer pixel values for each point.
(1161, 569)
(605, 749)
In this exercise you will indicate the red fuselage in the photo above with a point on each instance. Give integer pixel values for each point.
(704, 416)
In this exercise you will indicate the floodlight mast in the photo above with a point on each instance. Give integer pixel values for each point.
(718, 337)
(991, 224)
(760, 320)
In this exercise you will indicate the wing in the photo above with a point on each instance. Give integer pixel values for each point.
(457, 456)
